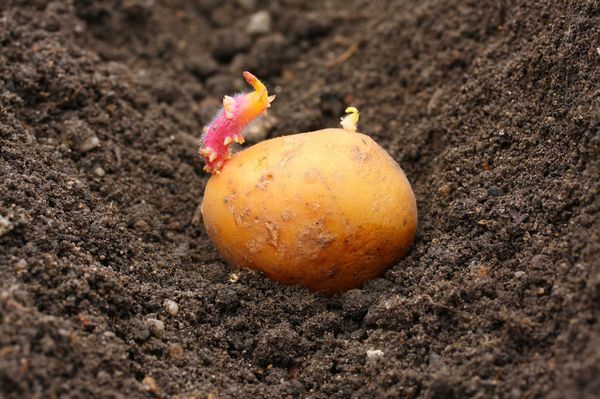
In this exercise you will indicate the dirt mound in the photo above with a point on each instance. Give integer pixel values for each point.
(109, 286)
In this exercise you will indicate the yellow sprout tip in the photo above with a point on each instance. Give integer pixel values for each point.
(350, 121)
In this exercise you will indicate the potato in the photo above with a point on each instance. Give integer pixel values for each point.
(327, 210)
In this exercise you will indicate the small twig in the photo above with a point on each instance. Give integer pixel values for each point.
(345, 56)
(348, 16)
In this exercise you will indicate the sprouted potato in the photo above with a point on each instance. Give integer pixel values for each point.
(327, 209)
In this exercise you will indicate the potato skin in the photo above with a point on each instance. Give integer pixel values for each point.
(328, 210)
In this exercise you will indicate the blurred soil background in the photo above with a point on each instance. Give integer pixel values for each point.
(109, 286)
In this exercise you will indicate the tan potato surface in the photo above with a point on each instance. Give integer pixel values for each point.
(328, 210)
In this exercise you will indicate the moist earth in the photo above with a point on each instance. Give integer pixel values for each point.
(110, 287)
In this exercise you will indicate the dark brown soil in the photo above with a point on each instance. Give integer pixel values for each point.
(491, 107)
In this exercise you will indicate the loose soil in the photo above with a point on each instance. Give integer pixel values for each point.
(491, 107)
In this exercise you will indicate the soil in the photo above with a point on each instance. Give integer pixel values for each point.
(109, 286)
